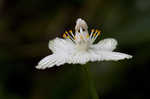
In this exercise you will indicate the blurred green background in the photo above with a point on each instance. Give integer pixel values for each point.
(26, 26)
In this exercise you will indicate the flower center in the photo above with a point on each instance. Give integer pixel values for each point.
(81, 36)
(83, 46)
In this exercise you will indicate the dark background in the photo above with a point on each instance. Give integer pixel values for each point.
(26, 26)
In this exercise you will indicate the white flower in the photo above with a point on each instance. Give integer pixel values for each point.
(78, 48)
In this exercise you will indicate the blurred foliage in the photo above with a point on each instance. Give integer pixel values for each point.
(26, 26)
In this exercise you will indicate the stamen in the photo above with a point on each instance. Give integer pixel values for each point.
(66, 32)
(69, 36)
(92, 31)
(70, 31)
(96, 30)
(64, 35)
(96, 34)
(99, 32)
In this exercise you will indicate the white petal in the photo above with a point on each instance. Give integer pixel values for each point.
(51, 46)
(108, 44)
(52, 60)
(47, 62)
(79, 58)
(106, 55)
(59, 45)
(61, 59)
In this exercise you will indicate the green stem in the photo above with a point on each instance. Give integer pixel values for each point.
(91, 84)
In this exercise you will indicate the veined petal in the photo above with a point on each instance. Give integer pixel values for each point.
(91, 55)
(61, 59)
(108, 55)
(47, 62)
(52, 60)
(59, 45)
(108, 44)
(51, 46)
(79, 58)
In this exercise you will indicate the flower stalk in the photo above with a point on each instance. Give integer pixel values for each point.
(91, 84)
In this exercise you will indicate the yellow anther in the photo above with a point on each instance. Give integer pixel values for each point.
(99, 32)
(68, 37)
(96, 30)
(70, 31)
(66, 32)
(64, 35)
(92, 30)
(94, 34)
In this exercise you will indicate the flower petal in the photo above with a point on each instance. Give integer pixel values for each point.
(79, 58)
(59, 45)
(106, 55)
(47, 62)
(52, 60)
(108, 44)
(61, 59)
